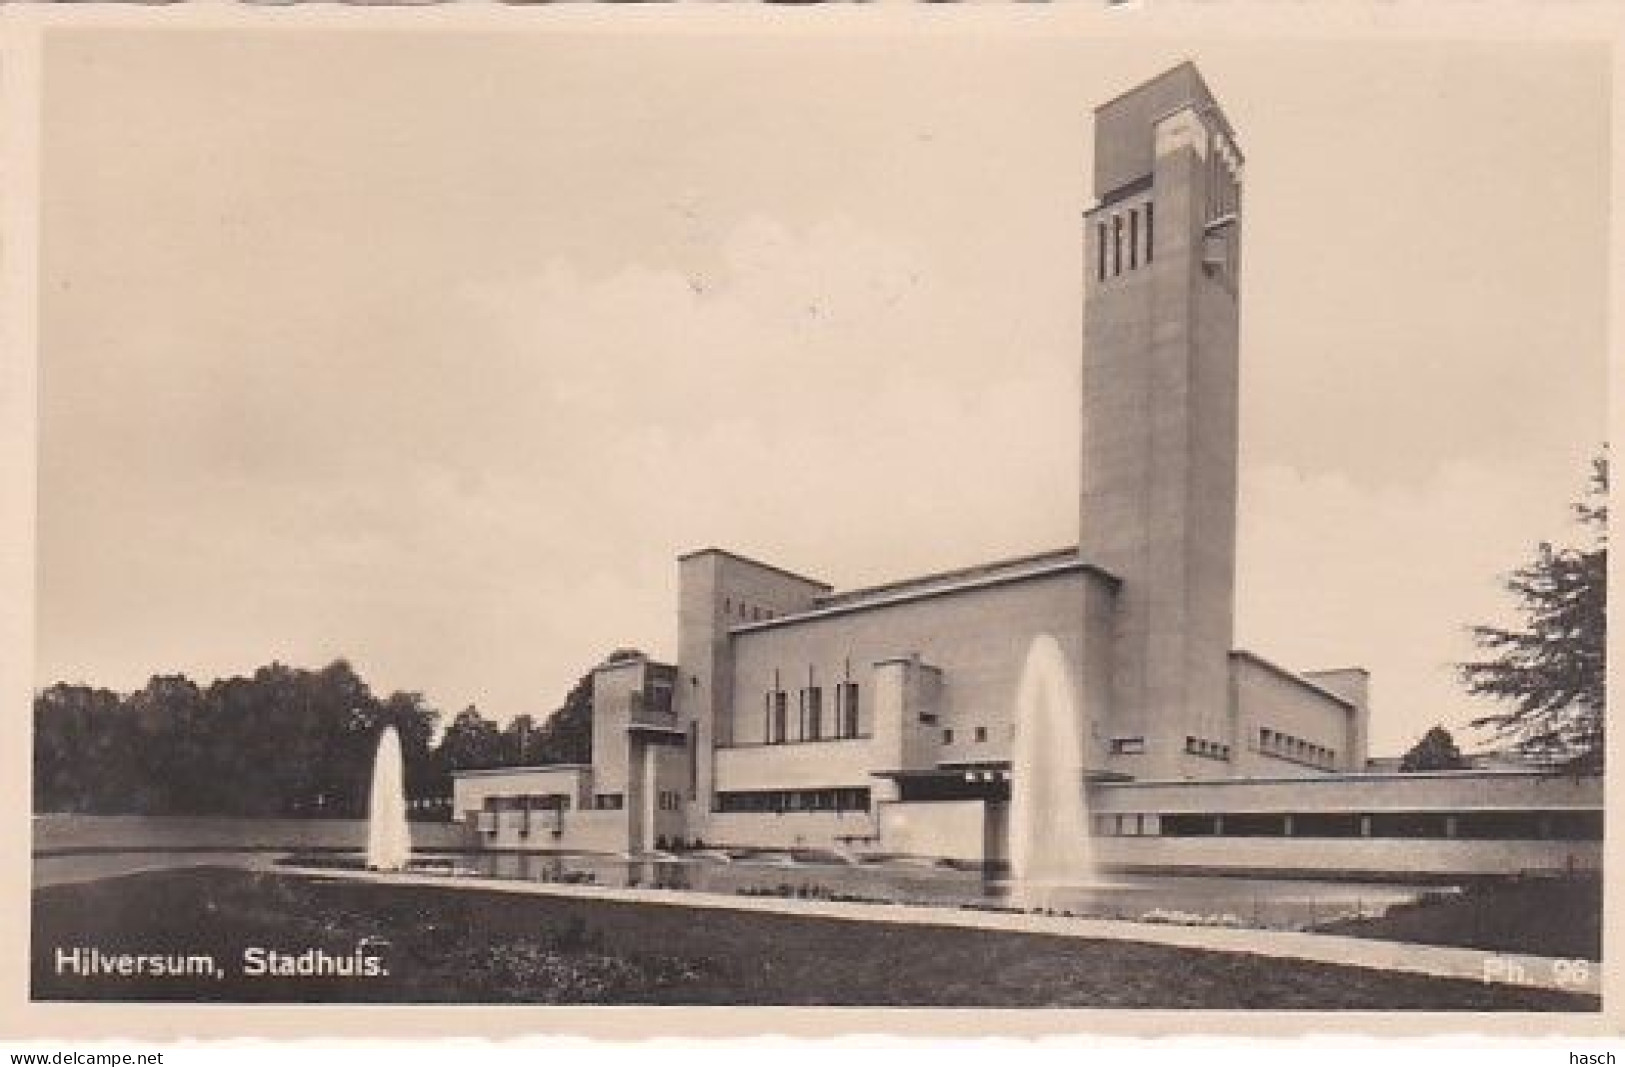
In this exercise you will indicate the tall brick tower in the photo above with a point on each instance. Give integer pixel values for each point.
(1158, 497)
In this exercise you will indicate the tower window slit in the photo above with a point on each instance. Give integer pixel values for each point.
(1213, 179)
(1150, 244)
(1117, 245)
(1133, 239)
(1100, 246)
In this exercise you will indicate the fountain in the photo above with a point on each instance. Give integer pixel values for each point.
(389, 842)
(1050, 847)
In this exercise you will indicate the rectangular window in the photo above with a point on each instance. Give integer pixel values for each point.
(1117, 245)
(658, 698)
(1182, 825)
(1150, 239)
(981, 733)
(1212, 181)
(1127, 746)
(1100, 231)
(1251, 825)
(1133, 239)
(778, 717)
(948, 736)
(782, 801)
(607, 801)
(1325, 824)
(846, 709)
(693, 759)
(812, 699)
(1425, 824)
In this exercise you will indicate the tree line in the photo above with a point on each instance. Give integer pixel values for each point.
(284, 741)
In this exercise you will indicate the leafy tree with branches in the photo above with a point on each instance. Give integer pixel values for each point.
(1436, 751)
(1552, 670)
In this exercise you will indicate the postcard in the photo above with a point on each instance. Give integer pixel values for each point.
(782, 510)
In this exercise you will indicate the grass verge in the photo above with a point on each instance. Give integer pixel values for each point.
(1560, 917)
(468, 945)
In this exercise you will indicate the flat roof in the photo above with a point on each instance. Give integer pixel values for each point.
(975, 570)
(1026, 568)
(639, 660)
(1330, 777)
(529, 768)
(655, 728)
(1291, 676)
(737, 558)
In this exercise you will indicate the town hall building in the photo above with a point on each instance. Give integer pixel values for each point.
(882, 720)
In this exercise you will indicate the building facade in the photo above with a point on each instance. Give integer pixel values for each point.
(883, 719)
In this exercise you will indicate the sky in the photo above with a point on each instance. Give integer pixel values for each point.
(434, 350)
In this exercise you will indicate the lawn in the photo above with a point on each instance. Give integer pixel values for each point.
(468, 945)
(1559, 917)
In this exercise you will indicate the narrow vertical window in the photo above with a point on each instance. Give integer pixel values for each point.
(1117, 245)
(693, 760)
(1133, 239)
(1150, 241)
(1213, 180)
(1100, 247)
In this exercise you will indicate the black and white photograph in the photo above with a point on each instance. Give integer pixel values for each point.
(807, 513)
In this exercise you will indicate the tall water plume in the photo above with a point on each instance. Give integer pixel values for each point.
(1050, 846)
(389, 842)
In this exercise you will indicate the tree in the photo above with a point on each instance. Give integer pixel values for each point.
(566, 736)
(81, 752)
(1552, 671)
(285, 741)
(1436, 751)
(171, 726)
(521, 742)
(471, 742)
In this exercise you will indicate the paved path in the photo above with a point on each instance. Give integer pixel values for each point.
(1540, 972)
